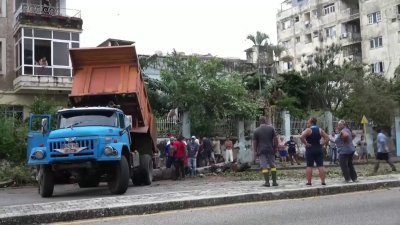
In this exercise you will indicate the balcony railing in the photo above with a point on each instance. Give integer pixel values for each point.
(350, 13)
(350, 38)
(47, 11)
(40, 15)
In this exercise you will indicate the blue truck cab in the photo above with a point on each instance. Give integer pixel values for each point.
(88, 145)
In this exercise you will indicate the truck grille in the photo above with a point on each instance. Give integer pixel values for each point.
(89, 144)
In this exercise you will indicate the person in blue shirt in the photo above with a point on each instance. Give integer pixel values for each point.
(169, 153)
(383, 150)
(346, 150)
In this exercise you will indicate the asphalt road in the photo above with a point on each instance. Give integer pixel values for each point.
(29, 194)
(363, 208)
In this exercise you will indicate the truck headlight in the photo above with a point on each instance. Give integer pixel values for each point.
(108, 150)
(38, 154)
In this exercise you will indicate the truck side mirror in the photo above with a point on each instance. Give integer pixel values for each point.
(45, 126)
(128, 122)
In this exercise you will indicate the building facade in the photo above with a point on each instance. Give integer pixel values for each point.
(368, 31)
(35, 39)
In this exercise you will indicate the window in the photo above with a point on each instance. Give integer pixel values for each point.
(286, 25)
(2, 56)
(330, 32)
(398, 9)
(374, 17)
(296, 19)
(15, 111)
(315, 34)
(121, 120)
(377, 67)
(3, 8)
(376, 42)
(44, 52)
(398, 36)
(297, 39)
(308, 38)
(329, 9)
(286, 44)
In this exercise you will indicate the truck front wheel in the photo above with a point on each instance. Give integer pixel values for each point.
(46, 181)
(119, 177)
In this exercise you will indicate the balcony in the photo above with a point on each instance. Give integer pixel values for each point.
(47, 16)
(38, 84)
(350, 38)
(350, 14)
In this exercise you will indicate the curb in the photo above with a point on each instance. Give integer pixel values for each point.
(148, 208)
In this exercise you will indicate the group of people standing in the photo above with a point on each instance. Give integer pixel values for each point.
(266, 143)
(185, 155)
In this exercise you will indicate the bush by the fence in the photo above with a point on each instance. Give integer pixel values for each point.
(13, 139)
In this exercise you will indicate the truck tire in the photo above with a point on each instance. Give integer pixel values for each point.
(119, 177)
(137, 177)
(146, 168)
(46, 181)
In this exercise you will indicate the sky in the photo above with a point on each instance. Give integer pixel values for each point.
(219, 27)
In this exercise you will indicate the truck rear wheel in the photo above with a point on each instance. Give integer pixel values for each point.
(119, 177)
(137, 177)
(46, 181)
(146, 168)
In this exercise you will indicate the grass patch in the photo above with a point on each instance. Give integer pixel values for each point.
(16, 175)
(364, 170)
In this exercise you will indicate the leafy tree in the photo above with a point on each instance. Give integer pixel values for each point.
(330, 80)
(295, 87)
(206, 90)
(372, 98)
(156, 89)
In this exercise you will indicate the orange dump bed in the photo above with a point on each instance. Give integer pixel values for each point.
(111, 75)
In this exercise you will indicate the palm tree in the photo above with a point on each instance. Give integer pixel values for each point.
(266, 53)
(260, 38)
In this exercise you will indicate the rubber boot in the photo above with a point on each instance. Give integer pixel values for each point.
(273, 173)
(266, 177)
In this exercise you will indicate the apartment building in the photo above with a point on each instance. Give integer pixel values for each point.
(35, 38)
(368, 30)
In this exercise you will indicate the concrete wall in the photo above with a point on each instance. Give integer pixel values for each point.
(7, 33)
(312, 22)
(388, 28)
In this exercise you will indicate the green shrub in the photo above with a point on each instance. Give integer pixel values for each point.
(13, 139)
(18, 174)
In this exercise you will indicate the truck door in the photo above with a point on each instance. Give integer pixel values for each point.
(39, 129)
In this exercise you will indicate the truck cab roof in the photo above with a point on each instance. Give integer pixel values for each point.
(100, 108)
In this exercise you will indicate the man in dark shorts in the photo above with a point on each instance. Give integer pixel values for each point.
(292, 150)
(265, 144)
(383, 151)
(311, 138)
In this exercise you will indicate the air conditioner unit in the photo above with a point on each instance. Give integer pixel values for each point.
(306, 22)
(344, 35)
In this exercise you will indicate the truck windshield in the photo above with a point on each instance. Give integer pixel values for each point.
(82, 118)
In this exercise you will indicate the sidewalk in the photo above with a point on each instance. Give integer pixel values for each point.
(191, 193)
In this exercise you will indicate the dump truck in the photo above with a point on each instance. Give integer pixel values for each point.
(108, 134)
